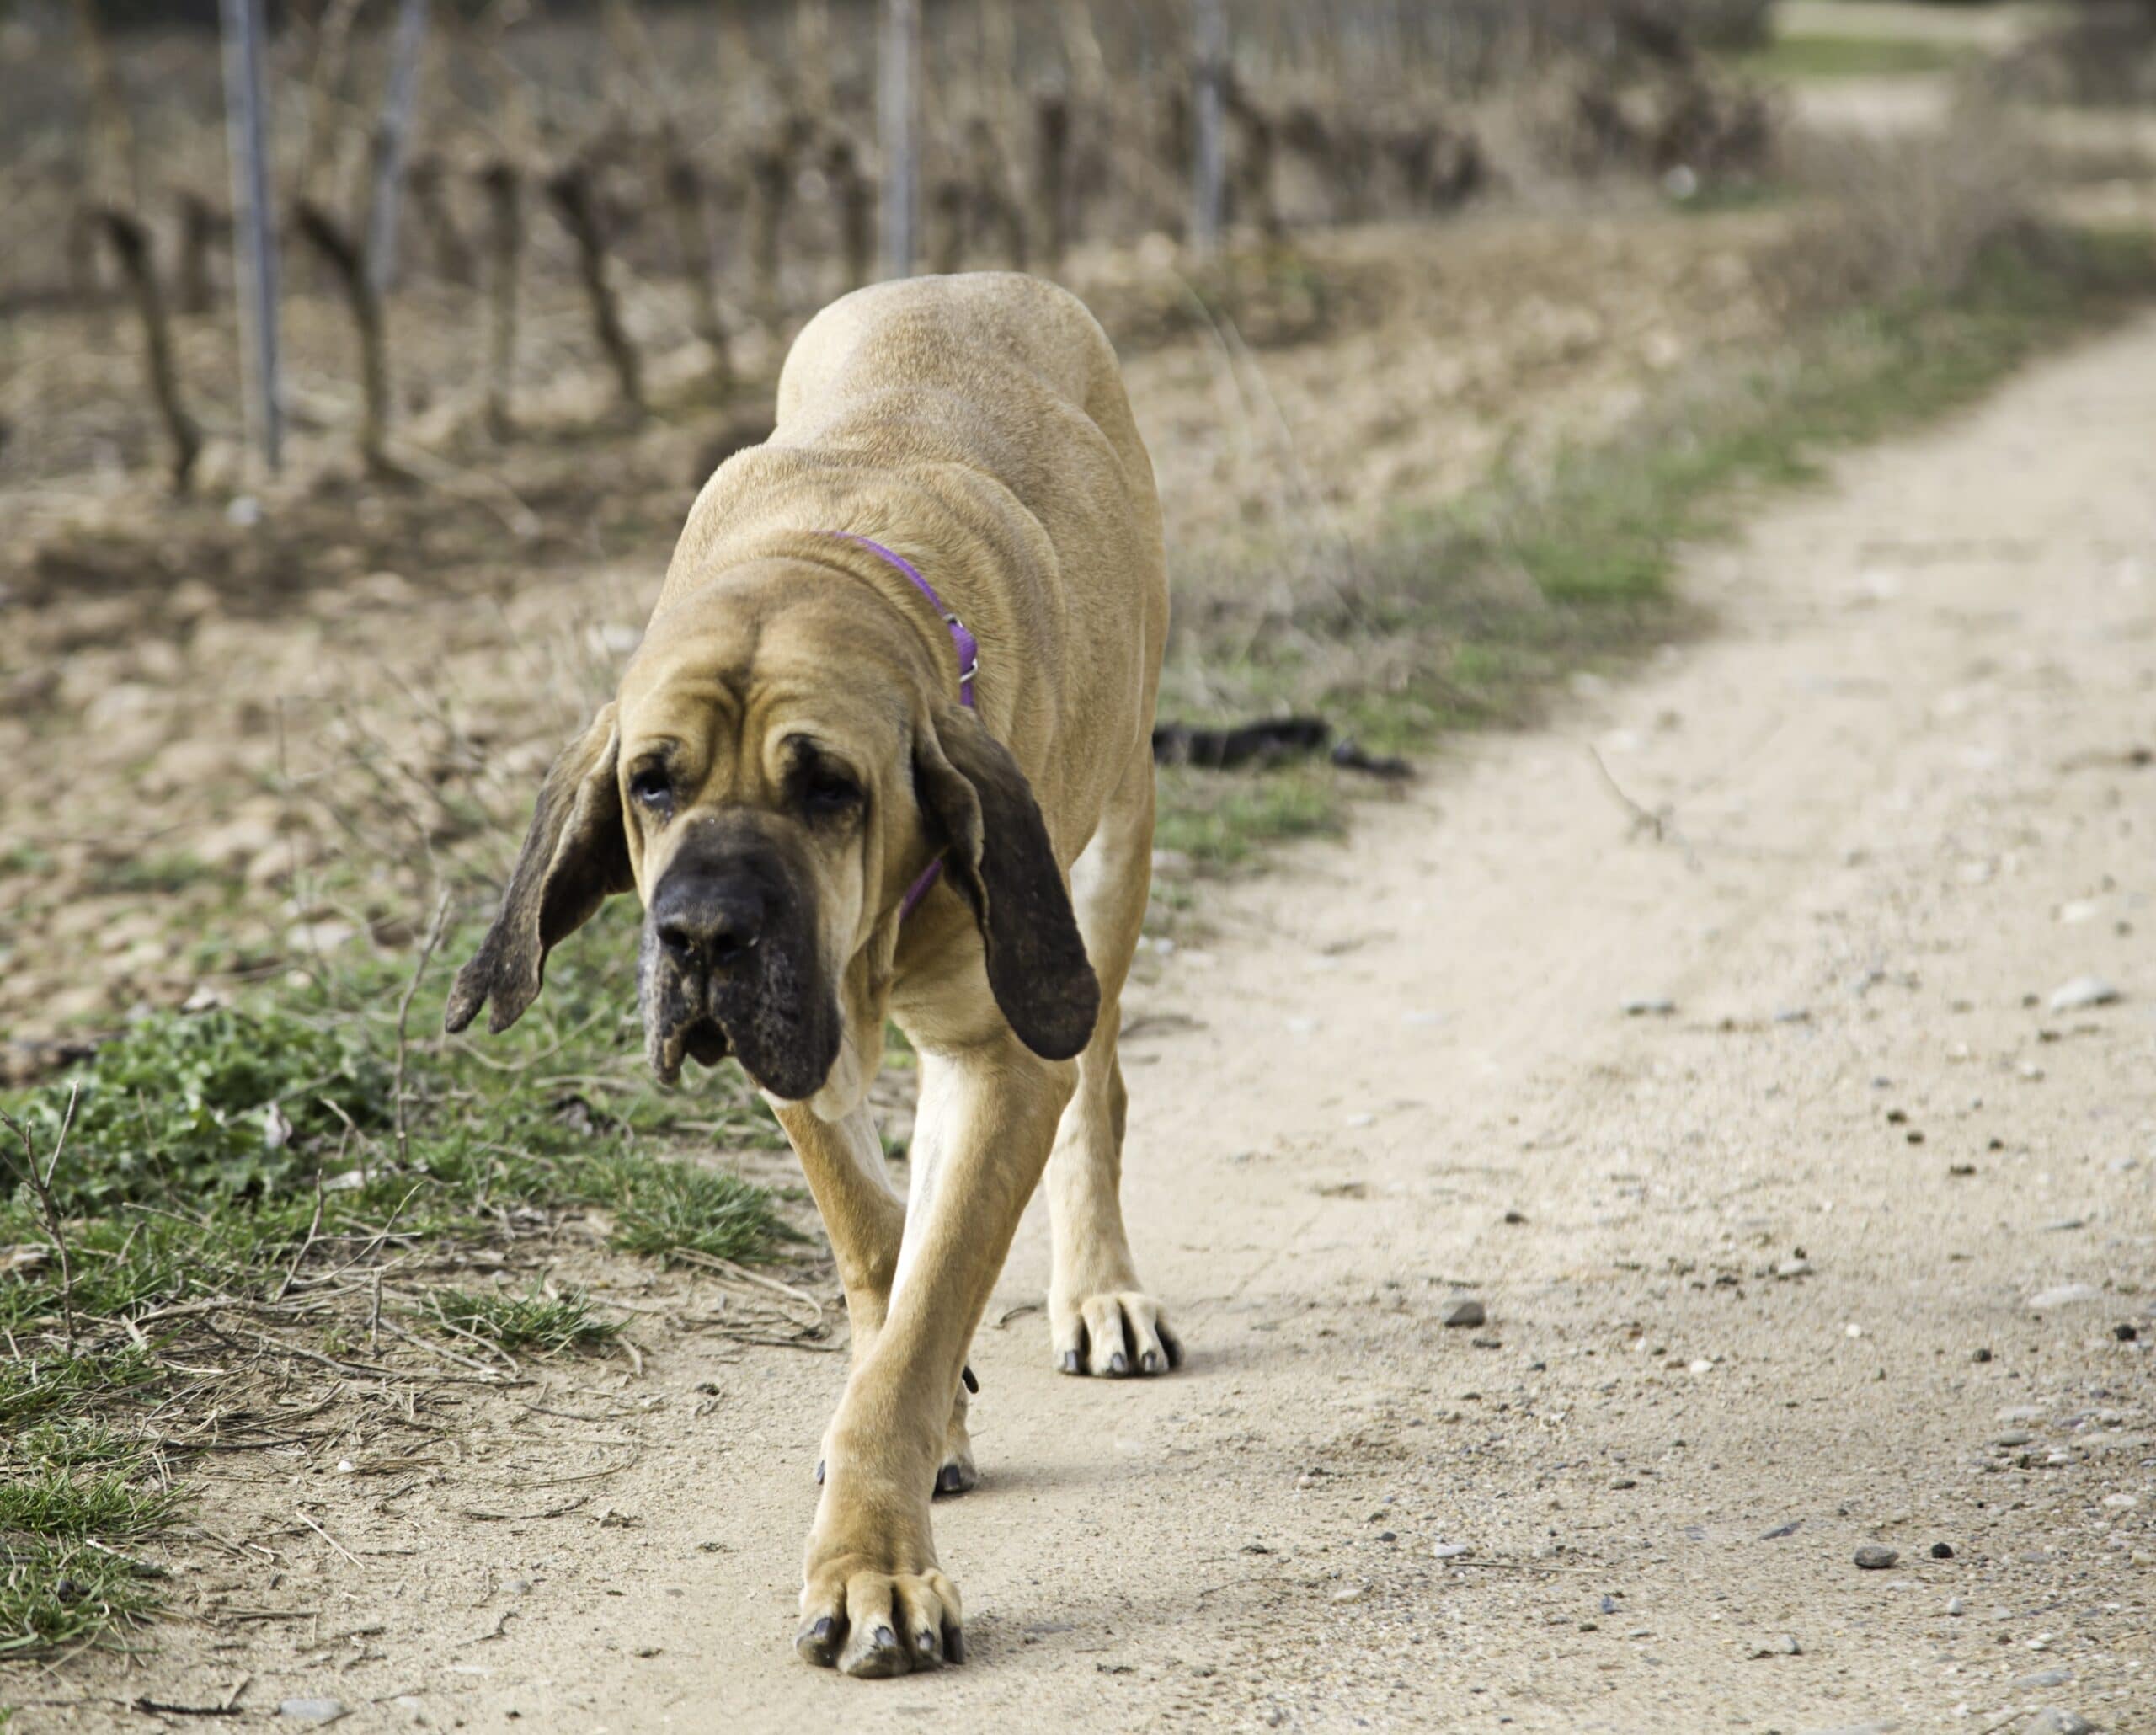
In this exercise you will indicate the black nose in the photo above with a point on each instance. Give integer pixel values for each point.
(707, 922)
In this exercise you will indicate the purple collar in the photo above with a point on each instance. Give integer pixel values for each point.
(968, 650)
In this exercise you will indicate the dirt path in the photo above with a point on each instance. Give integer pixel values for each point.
(1743, 1261)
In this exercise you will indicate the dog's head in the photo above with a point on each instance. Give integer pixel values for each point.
(780, 765)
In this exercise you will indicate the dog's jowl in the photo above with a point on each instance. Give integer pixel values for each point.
(885, 752)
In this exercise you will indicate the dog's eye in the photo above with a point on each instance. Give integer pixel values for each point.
(825, 790)
(651, 787)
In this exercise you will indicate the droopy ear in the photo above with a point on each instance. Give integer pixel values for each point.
(1000, 859)
(574, 857)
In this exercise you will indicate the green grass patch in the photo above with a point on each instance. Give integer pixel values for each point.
(1218, 820)
(33, 1387)
(74, 1493)
(536, 1321)
(668, 1209)
(1827, 57)
(55, 1595)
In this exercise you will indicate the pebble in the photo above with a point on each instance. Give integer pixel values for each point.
(311, 1711)
(2064, 1296)
(1451, 1551)
(1649, 1006)
(1954, 1606)
(2082, 991)
(2043, 1677)
(1786, 1645)
(1942, 1550)
(2056, 1719)
(1873, 1558)
(1466, 1312)
(1350, 1592)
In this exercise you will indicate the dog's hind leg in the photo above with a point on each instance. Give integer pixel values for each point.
(1101, 1321)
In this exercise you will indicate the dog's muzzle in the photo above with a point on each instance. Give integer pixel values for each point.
(727, 966)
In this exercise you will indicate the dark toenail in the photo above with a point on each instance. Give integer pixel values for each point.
(954, 1645)
(883, 1639)
(820, 1472)
(1069, 1361)
(966, 1373)
(821, 1630)
(947, 1480)
(1151, 1362)
(1118, 1362)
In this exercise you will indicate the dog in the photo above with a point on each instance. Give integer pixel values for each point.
(886, 749)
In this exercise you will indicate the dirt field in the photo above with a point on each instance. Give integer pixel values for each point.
(1759, 1267)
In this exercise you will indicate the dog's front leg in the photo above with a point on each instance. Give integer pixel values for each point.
(843, 1160)
(874, 1601)
(863, 1213)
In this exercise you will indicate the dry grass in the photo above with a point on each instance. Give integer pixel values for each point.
(1904, 216)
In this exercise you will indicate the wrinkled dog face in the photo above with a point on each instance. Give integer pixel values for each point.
(756, 792)
(778, 767)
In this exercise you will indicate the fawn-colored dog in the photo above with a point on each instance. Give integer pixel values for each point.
(886, 749)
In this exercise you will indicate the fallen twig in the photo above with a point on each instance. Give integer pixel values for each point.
(41, 1185)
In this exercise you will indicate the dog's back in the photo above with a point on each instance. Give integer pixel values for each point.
(980, 422)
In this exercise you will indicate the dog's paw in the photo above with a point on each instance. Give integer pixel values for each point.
(868, 1621)
(1113, 1335)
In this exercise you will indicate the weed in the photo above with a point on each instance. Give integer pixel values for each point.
(224, 1103)
(663, 1208)
(547, 1323)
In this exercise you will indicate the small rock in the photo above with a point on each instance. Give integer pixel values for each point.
(2043, 1677)
(1980, 1355)
(1467, 1311)
(1521, 1217)
(313, 1711)
(2064, 1296)
(2126, 1334)
(2015, 1437)
(2056, 1719)
(2082, 991)
(1649, 1006)
(1942, 1550)
(1451, 1551)
(1873, 1558)
(1954, 1606)
(1350, 1592)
